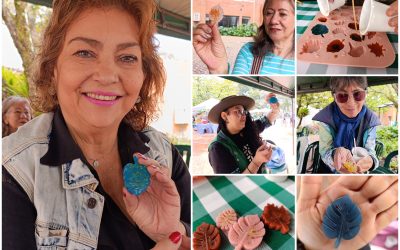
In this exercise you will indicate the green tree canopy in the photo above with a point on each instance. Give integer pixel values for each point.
(207, 87)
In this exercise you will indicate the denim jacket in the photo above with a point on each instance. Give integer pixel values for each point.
(69, 216)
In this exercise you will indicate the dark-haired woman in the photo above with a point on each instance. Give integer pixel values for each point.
(238, 147)
(272, 51)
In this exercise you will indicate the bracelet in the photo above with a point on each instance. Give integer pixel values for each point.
(254, 165)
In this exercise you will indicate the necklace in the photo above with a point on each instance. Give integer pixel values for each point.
(95, 162)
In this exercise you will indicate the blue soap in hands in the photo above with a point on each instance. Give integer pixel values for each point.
(273, 100)
(136, 177)
(342, 220)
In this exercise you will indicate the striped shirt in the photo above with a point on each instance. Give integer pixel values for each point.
(272, 64)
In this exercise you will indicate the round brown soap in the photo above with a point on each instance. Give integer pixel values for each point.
(206, 237)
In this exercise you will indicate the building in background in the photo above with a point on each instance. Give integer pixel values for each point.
(236, 12)
(387, 114)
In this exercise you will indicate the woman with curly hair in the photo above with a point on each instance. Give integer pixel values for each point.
(98, 81)
(272, 51)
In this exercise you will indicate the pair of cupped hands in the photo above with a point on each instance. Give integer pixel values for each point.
(343, 155)
(157, 210)
(375, 196)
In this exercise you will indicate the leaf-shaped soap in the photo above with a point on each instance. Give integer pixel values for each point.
(136, 177)
(350, 166)
(247, 232)
(216, 14)
(342, 220)
(206, 237)
(226, 219)
(276, 218)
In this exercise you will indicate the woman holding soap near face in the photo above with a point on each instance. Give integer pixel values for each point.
(345, 124)
(98, 81)
(238, 147)
(272, 51)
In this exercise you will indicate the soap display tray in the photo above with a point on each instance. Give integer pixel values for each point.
(335, 40)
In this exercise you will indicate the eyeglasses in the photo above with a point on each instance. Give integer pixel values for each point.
(358, 96)
(240, 112)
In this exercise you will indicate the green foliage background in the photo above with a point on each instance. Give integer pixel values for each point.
(241, 30)
(14, 83)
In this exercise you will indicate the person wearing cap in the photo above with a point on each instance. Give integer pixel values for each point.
(238, 147)
(347, 123)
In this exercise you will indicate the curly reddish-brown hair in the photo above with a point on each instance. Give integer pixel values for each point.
(64, 13)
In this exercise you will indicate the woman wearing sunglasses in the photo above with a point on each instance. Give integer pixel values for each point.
(238, 147)
(347, 123)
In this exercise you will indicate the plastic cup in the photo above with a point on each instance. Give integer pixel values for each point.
(359, 153)
(325, 6)
(373, 17)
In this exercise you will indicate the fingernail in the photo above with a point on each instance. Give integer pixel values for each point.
(142, 156)
(154, 166)
(175, 237)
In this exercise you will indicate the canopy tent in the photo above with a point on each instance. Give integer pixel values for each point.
(313, 84)
(278, 84)
(173, 17)
(206, 105)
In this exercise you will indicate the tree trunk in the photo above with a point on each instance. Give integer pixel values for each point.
(18, 27)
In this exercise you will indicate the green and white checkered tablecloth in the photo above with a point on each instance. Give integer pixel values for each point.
(306, 11)
(246, 195)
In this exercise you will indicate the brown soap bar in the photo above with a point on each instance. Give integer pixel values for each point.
(206, 237)
(276, 218)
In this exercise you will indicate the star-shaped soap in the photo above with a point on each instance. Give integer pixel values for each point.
(136, 177)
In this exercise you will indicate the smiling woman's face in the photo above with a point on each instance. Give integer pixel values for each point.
(279, 20)
(99, 72)
(350, 99)
(17, 115)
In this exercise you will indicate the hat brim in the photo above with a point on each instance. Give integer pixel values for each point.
(230, 101)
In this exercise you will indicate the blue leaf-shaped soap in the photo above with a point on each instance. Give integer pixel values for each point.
(136, 177)
(342, 220)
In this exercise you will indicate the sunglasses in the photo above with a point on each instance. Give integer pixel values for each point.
(358, 96)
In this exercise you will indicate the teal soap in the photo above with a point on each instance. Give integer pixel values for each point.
(136, 177)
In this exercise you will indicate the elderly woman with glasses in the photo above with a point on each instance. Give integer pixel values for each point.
(345, 124)
(238, 147)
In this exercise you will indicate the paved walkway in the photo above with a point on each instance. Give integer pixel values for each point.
(232, 45)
